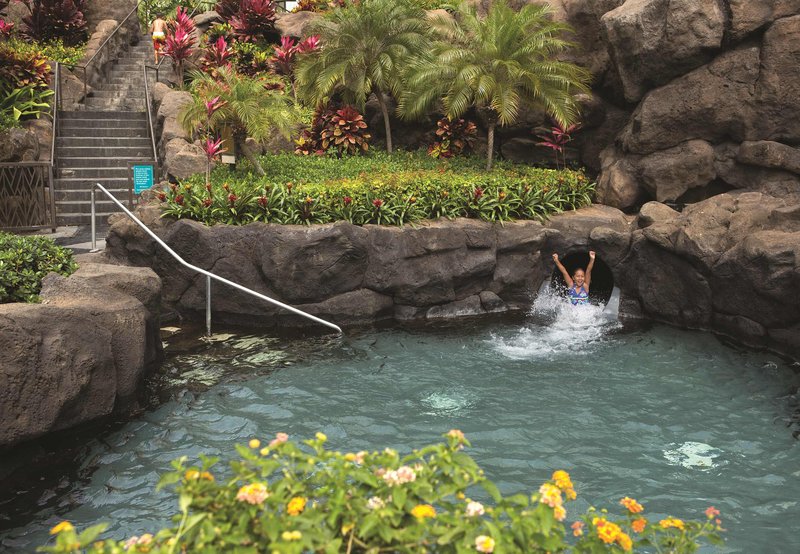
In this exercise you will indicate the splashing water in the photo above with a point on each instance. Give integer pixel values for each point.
(558, 328)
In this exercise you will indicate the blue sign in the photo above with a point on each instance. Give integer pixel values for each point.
(143, 178)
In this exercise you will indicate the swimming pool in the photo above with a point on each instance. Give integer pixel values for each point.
(676, 419)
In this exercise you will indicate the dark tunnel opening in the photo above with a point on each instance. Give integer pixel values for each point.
(602, 279)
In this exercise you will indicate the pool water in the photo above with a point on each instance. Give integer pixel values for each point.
(675, 419)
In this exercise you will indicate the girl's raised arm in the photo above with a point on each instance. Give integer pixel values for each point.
(588, 279)
(563, 271)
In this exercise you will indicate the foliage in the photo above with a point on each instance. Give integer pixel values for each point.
(286, 54)
(21, 66)
(23, 82)
(452, 138)
(216, 55)
(148, 9)
(556, 138)
(311, 6)
(54, 51)
(49, 20)
(496, 64)
(254, 21)
(249, 108)
(365, 47)
(6, 29)
(25, 261)
(252, 60)
(381, 189)
(292, 498)
(346, 133)
(180, 42)
(227, 8)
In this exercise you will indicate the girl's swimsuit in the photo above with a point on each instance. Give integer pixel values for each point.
(578, 296)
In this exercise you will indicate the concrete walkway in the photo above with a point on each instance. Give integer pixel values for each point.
(78, 238)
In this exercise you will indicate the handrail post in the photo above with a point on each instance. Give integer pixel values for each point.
(94, 224)
(208, 306)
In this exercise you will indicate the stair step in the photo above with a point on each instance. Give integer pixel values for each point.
(73, 220)
(139, 131)
(113, 105)
(123, 87)
(103, 142)
(104, 151)
(69, 162)
(83, 197)
(85, 206)
(100, 174)
(100, 114)
(127, 94)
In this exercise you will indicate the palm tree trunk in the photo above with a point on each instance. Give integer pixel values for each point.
(241, 146)
(490, 144)
(386, 124)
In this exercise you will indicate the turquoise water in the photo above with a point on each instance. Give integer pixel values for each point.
(675, 419)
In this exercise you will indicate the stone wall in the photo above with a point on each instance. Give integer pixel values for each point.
(79, 355)
(726, 264)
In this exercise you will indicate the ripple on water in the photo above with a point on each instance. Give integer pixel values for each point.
(670, 417)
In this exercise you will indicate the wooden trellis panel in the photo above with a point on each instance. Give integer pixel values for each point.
(26, 196)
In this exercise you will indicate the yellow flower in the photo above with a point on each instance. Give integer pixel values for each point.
(254, 493)
(484, 544)
(191, 475)
(460, 495)
(421, 511)
(291, 535)
(638, 525)
(625, 542)
(632, 506)
(350, 457)
(296, 506)
(551, 495)
(562, 479)
(205, 475)
(559, 513)
(347, 528)
(254, 443)
(671, 522)
(321, 437)
(607, 532)
(63, 526)
(264, 451)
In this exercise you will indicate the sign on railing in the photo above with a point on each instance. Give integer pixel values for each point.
(26, 198)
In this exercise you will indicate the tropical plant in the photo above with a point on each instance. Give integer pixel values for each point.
(248, 109)
(254, 21)
(227, 8)
(180, 42)
(380, 188)
(20, 67)
(216, 55)
(452, 138)
(311, 6)
(303, 498)
(25, 261)
(345, 132)
(6, 29)
(24, 103)
(286, 53)
(496, 64)
(55, 19)
(252, 59)
(556, 138)
(366, 45)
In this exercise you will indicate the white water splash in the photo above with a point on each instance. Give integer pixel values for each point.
(693, 455)
(562, 328)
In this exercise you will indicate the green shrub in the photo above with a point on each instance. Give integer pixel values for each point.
(24, 262)
(295, 499)
(379, 188)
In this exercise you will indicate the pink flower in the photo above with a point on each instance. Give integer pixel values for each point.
(232, 198)
(375, 503)
(280, 438)
(262, 201)
(254, 493)
(400, 476)
(308, 45)
(214, 104)
(213, 148)
(347, 200)
(475, 509)
(377, 202)
(207, 202)
(179, 200)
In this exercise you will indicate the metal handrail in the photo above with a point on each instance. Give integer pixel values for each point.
(114, 32)
(208, 274)
(149, 115)
(56, 105)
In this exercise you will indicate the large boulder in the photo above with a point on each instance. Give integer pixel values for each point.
(295, 24)
(669, 173)
(19, 145)
(183, 159)
(765, 153)
(618, 184)
(81, 354)
(748, 16)
(653, 41)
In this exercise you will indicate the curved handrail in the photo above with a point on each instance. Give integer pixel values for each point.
(149, 115)
(208, 274)
(114, 32)
(56, 104)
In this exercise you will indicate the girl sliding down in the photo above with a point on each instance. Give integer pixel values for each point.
(579, 282)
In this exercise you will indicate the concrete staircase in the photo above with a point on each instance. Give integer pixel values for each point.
(96, 141)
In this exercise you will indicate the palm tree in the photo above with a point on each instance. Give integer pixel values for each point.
(364, 49)
(496, 64)
(243, 104)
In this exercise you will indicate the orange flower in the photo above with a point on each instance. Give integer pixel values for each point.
(638, 525)
(711, 512)
(625, 542)
(632, 506)
(296, 506)
(577, 528)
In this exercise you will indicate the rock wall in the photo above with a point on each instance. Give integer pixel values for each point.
(79, 355)
(684, 92)
(726, 264)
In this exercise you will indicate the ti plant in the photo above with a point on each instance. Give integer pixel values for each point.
(556, 138)
(180, 42)
(452, 137)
